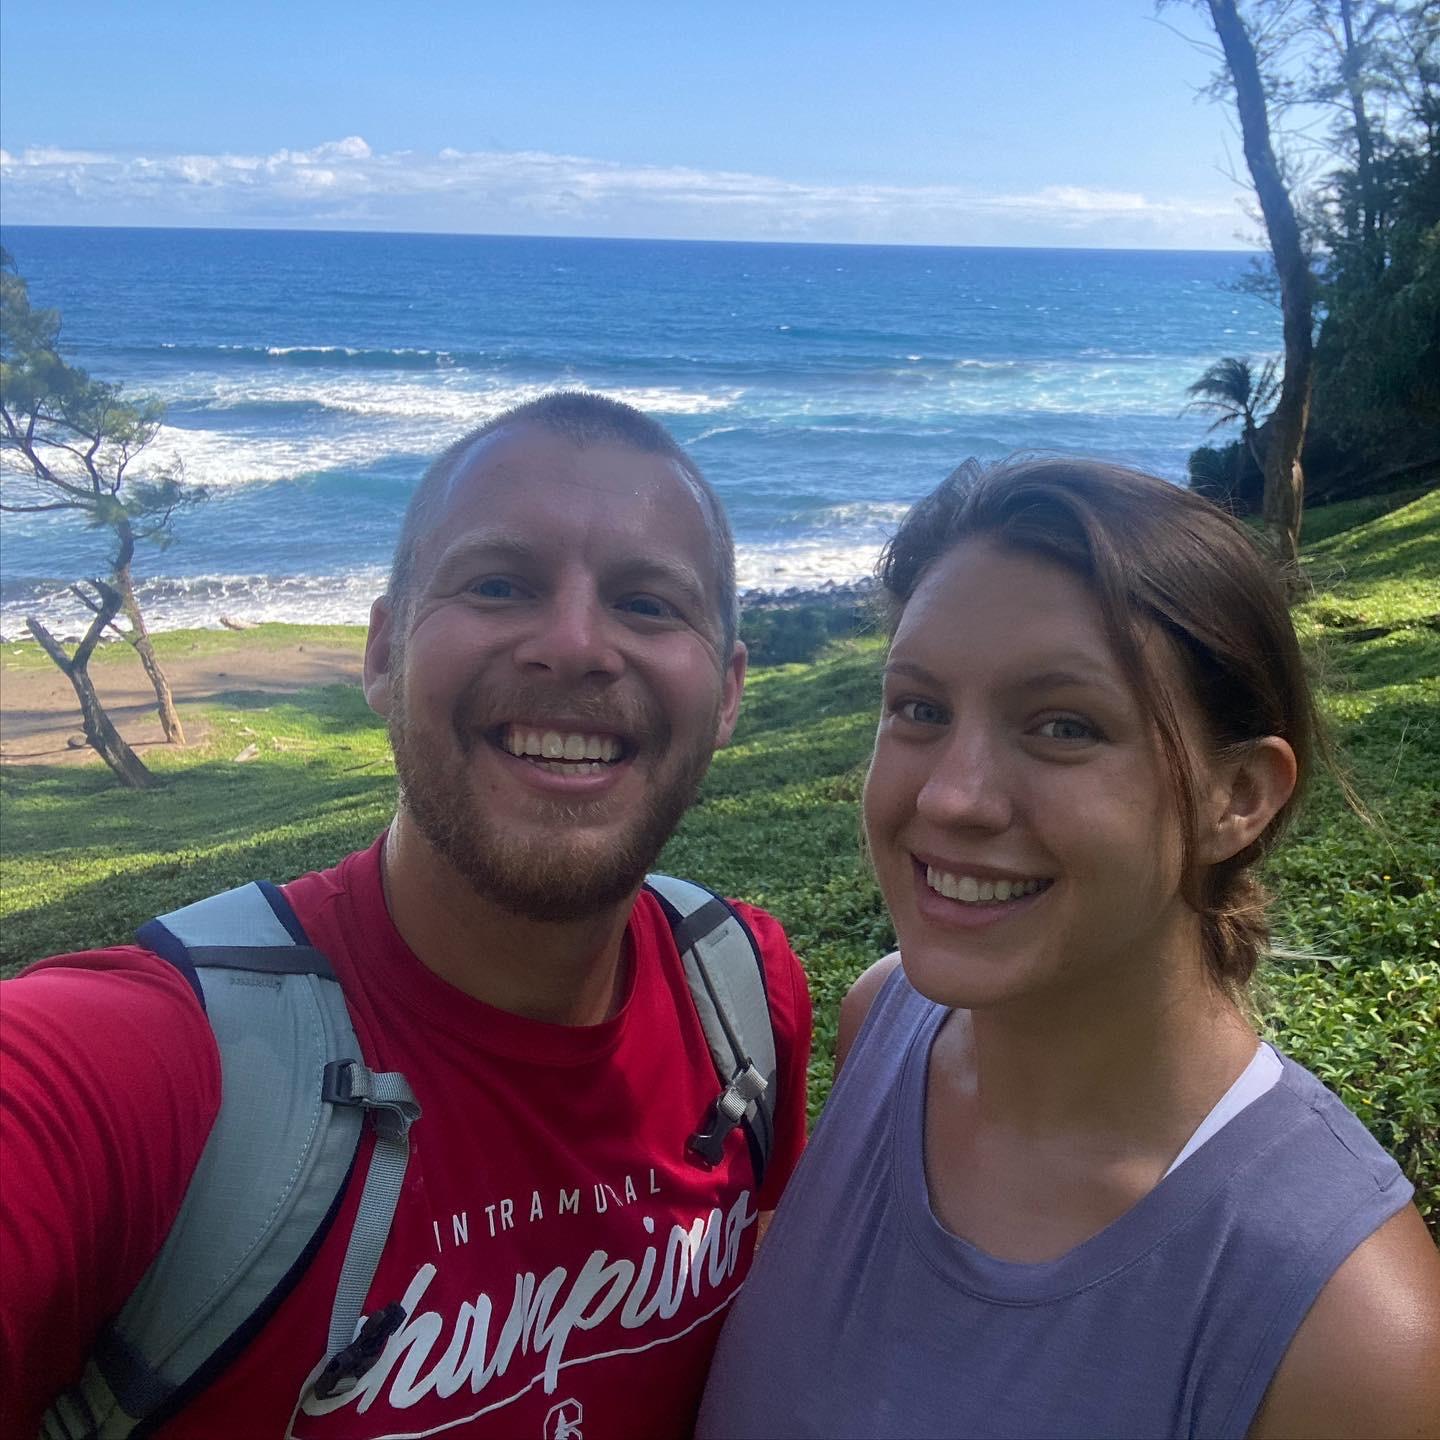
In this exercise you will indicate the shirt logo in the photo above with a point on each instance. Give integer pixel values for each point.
(564, 1421)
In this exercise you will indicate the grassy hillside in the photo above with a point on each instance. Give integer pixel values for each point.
(83, 862)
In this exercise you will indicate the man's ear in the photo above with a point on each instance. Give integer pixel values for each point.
(733, 686)
(379, 651)
(1245, 796)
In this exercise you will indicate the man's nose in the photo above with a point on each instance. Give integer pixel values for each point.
(970, 786)
(573, 637)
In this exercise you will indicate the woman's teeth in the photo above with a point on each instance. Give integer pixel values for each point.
(970, 891)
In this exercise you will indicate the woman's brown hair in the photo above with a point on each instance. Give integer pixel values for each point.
(1151, 552)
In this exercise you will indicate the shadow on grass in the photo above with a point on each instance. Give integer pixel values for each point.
(1405, 544)
(328, 709)
(198, 862)
(321, 785)
(1404, 656)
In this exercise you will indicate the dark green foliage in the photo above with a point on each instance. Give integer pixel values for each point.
(1228, 475)
(1378, 356)
(1374, 223)
(790, 634)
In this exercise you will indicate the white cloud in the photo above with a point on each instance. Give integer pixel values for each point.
(346, 184)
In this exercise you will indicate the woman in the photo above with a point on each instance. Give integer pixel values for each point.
(1061, 1188)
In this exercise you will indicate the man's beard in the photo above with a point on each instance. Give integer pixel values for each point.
(546, 877)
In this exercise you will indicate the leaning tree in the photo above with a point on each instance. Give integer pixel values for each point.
(1284, 495)
(69, 442)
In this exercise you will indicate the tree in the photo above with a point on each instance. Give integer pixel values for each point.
(1233, 391)
(1377, 66)
(1284, 495)
(100, 731)
(68, 442)
(1369, 207)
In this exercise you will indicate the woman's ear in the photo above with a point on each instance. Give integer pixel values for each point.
(1245, 796)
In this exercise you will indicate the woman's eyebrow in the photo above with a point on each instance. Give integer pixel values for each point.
(1067, 676)
(1080, 677)
(911, 671)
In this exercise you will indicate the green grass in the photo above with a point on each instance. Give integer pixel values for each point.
(84, 862)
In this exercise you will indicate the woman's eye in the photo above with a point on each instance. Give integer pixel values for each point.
(921, 712)
(1067, 727)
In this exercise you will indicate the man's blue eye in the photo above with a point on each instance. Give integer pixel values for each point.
(647, 605)
(494, 587)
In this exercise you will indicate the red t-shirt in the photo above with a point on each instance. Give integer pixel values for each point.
(564, 1265)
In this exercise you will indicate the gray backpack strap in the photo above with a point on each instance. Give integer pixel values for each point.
(727, 983)
(352, 1349)
(269, 1180)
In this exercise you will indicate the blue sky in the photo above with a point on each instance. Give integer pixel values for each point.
(1037, 122)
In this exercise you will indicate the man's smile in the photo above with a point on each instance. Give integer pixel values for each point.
(562, 751)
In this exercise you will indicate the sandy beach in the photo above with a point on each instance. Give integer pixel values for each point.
(39, 712)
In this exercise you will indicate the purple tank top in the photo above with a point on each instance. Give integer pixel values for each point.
(863, 1316)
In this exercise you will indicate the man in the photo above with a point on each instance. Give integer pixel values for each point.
(556, 659)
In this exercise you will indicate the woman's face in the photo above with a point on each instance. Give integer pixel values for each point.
(1018, 809)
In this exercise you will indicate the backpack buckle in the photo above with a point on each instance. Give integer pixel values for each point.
(338, 1084)
(344, 1371)
(726, 1111)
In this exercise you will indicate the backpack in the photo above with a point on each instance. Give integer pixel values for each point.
(296, 1096)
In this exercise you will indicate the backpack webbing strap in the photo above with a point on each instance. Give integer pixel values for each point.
(726, 977)
(392, 1110)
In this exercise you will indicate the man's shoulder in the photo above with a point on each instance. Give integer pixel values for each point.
(778, 961)
(348, 896)
(124, 981)
(119, 1019)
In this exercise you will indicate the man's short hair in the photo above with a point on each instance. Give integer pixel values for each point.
(583, 418)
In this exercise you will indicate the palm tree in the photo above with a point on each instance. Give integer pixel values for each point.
(1232, 389)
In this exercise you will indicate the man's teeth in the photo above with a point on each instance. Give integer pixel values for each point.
(552, 745)
(970, 891)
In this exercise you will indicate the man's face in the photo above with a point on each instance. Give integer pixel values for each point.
(554, 689)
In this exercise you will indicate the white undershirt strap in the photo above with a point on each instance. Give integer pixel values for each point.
(1254, 1080)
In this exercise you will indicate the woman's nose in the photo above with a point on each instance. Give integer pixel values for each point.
(969, 787)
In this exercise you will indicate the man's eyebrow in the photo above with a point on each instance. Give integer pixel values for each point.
(516, 548)
(493, 545)
(662, 570)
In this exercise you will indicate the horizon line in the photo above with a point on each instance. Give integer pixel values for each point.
(628, 239)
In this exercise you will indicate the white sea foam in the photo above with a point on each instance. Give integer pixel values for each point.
(414, 415)
(805, 564)
(198, 602)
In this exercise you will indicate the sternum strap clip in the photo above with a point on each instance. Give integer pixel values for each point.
(746, 1086)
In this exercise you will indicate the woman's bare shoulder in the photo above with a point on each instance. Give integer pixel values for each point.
(857, 1002)
(1363, 1360)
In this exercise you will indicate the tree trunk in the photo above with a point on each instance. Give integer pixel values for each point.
(139, 637)
(1350, 70)
(1284, 478)
(100, 732)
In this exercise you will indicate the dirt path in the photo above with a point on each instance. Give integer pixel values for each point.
(39, 712)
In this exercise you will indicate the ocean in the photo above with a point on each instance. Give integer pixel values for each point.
(309, 377)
